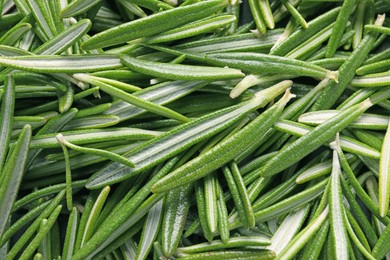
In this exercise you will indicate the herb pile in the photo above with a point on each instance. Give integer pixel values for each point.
(190, 129)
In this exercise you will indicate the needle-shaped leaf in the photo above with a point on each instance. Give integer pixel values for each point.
(304, 236)
(66, 64)
(382, 246)
(133, 8)
(211, 202)
(370, 138)
(271, 196)
(150, 231)
(201, 205)
(375, 67)
(54, 8)
(6, 50)
(287, 205)
(384, 175)
(365, 121)
(92, 122)
(266, 13)
(93, 136)
(68, 174)
(356, 210)
(372, 80)
(314, 139)
(238, 42)
(132, 99)
(192, 29)
(231, 255)
(10, 19)
(90, 225)
(385, 54)
(70, 236)
(358, 22)
(347, 144)
(86, 215)
(98, 109)
(99, 152)
(314, 246)
(48, 191)
(368, 202)
(65, 99)
(358, 241)
(378, 29)
(153, 24)
(302, 34)
(180, 71)
(13, 35)
(154, 5)
(234, 242)
(224, 151)
(372, 190)
(295, 13)
(159, 94)
(177, 204)
(330, 63)
(265, 63)
(257, 16)
(65, 39)
(337, 220)
(247, 220)
(121, 85)
(12, 174)
(243, 201)
(40, 11)
(6, 118)
(310, 44)
(79, 7)
(45, 245)
(53, 166)
(288, 229)
(223, 222)
(319, 170)
(129, 249)
(339, 27)
(34, 121)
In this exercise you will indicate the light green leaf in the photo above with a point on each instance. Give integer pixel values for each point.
(66, 64)
(153, 24)
(179, 71)
(12, 174)
(79, 7)
(6, 118)
(384, 175)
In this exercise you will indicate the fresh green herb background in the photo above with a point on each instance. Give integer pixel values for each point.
(194, 129)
